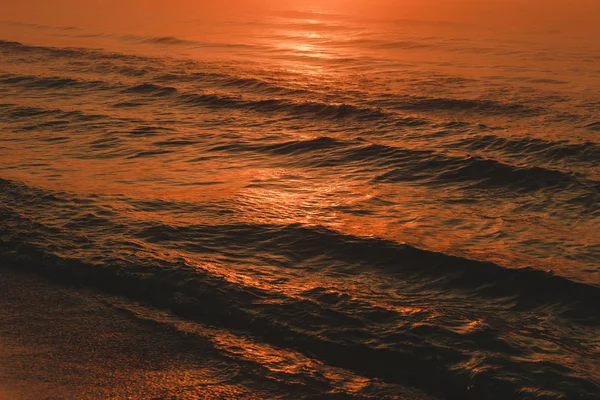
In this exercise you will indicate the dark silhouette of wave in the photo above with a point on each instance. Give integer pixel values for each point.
(296, 108)
(480, 171)
(342, 331)
(94, 57)
(275, 105)
(297, 241)
(534, 148)
(386, 103)
(594, 126)
(10, 111)
(429, 166)
(149, 88)
(162, 40)
(48, 83)
(484, 106)
(385, 106)
(377, 110)
(486, 173)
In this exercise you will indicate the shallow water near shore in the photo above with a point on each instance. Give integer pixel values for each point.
(351, 204)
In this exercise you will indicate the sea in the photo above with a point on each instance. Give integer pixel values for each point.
(340, 204)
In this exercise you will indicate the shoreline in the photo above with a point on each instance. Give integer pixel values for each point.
(65, 342)
(62, 342)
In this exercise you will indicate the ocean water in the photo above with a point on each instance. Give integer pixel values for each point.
(348, 204)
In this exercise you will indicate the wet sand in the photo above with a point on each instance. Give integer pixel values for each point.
(59, 342)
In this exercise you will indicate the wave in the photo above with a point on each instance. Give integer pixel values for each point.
(223, 80)
(10, 111)
(40, 26)
(487, 279)
(593, 126)
(229, 309)
(533, 287)
(429, 166)
(433, 104)
(534, 148)
(377, 111)
(301, 146)
(295, 108)
(399, 164)
(162, 40)
(48, 83)
(153, 130)
(485, 173)
(300, 109)
(367, 338)
(92, 57)
(277, 97)
(149, 88)
(125, 64)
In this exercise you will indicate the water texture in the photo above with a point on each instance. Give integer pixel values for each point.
(360, 204)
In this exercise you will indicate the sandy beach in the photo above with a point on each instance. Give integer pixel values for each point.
(64, 343)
